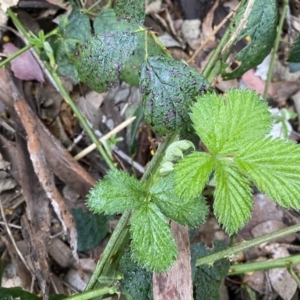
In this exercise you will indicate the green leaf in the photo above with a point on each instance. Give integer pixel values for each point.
(91, 228)
(233, 196)
(168, 87)
(116, 193)
(274, 167)
(107, 20)
(101, 59)
(295, 51)
(153, 245)
(192, 173)
(207, 280)
(174, 152)
(131, 71)
(226, 123)
(190, 212)
(137, 281)
(261, 27)
(16, 293)
(131, 10)
(74, 30)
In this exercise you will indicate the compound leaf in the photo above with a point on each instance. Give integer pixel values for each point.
(207, 280)
(91, 228)
(233, 196)
(137, 281)
(101, 59)
(190, 212)
(295, 52)
(192, 173)
(116, 193)
(131, 10)
(227, 123)
(153, 245)
(274, 167)
(261, 27)
(168, 87)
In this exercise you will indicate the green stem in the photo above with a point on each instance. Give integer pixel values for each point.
(276, 45)
(284, 262)
(294, 275)
(92, 294)
(82, 120)
(14, 55)
(65, 95)
(112, 246)
(208, 259)
(212, 66)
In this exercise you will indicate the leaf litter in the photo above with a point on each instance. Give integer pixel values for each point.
(43, 160)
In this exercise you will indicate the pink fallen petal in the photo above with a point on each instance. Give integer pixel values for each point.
(255, 83)
(24, 66)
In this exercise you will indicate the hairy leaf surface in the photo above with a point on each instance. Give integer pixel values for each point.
(137, 281)
(261, 27)
(207, 280)
(131, 10)
(225, 124)
(107, 20)
(101, 59)
(274, 167)
(190, 212)
(233, 197)
(153, 245)
(295, 51)
(192, 173)
(168, 88)
(116, 193)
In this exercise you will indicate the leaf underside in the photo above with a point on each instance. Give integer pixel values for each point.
(116, 193)
(153, 245)
(168, 88)
(261, 27)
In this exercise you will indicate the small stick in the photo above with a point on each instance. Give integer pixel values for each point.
(217, 28)
(11, 237)
(105, 137)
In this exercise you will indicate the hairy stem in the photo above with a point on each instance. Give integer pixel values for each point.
(284, 262)
(208, 259)
(93, 294)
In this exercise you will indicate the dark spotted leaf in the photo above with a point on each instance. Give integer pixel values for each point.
(207, 280)
(168, 87)
(101, 59)
(74, 29)
(261, 29)
(131, 10)
(295, 52)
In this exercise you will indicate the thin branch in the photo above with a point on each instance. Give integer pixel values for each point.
(12, 238)
(217, 28)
